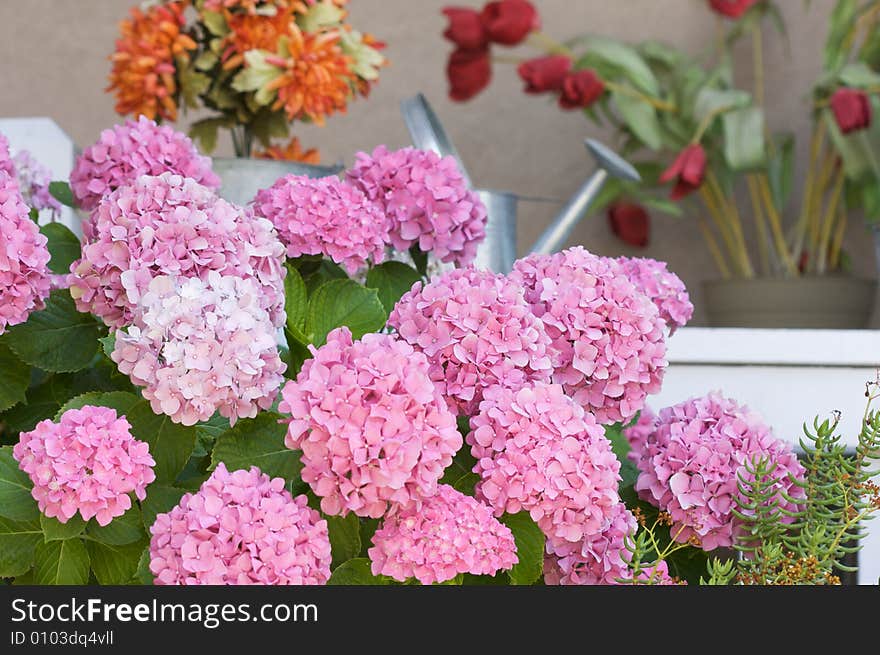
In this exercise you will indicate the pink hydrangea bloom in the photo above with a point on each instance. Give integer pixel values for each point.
(24, 258)
(33, 181)
(599, 559)
(171, 225)
(689, 466)
(539, 451)
(325, 216)
(427, 200)
(125, 152)
(6, 164)
(88, 462)
(240, 528)
(608, 342)
(450, 533)
(202, 346)
(662, 286)
(477, 331)
(639, 433)
(372, 427)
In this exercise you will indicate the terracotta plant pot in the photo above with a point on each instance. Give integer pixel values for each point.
(832, 301)
(241, 177)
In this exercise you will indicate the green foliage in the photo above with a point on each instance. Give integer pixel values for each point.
(343, 302)
(58, 338)
(60, 190)
(14, 380)
(63, 245)
(529, 548)
(391, 280)
(345, 538)
(55, 530)
(16, 502)
(258, 442)
(18, 543)
(61, 563)
(356, 572)
(171, 444)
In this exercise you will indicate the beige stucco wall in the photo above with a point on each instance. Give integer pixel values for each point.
(53, 62)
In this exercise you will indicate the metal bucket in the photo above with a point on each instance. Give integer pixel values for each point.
(241, 178)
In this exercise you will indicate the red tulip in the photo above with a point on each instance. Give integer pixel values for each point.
(630, 222)
(731, 8)
(469, 72)
(687, 170)
(544, 73)
(852, 109)
(465, 28)
(581, 89)
(508, 22)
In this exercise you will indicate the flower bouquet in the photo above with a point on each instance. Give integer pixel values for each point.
(465, 427)
(689, 125)
(256, 65)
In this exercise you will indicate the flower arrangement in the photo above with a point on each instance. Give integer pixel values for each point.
(254, 395)
(694, 131)
(256, 65)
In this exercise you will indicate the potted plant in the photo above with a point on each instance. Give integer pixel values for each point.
(688, 124)
(256, 66)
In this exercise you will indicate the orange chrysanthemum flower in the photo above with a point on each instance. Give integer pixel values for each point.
(291, 152)
(316, 80)
(143, 64)
(254, 32)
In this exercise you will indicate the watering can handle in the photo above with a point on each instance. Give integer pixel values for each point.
(427, 132)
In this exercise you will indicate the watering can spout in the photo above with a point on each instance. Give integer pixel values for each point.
(609, 164)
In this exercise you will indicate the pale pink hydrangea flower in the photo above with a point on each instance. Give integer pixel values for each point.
(477, 330)
(202, 346)
(171, 225)
(325, 216)
(373, 429)
(24, 274)
(427, 200)
(125, 152)
(662, 286)
(6, 164)
(538, 451)
(450, 534)
(599, 559)
(608, 340)
(88, 462)
(639, 433)
(689, 467)
(240, 528)
(33, 181)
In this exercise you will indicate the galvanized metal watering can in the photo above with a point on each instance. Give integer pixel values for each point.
(499, 250)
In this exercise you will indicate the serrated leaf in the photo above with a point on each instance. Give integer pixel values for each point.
(60, 190)
(345, 538)
(204, 132)
(121, 401)
(322, 271)
(42, 402)
(391, 280)
(115, 565)
(18, 542)
(356, 572)
(16, 502)
(214, 426)
(640, 118)
(171, 444)
(55, 530)
(258, 442)
(159, 500)
(529, 548)
(61, 563)
(122, 530)
(15, 376)
(143, 575)
(319, 15)
(64, 247)
(296, 302)
(343, 302)
(57, 339)
(466, 483)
